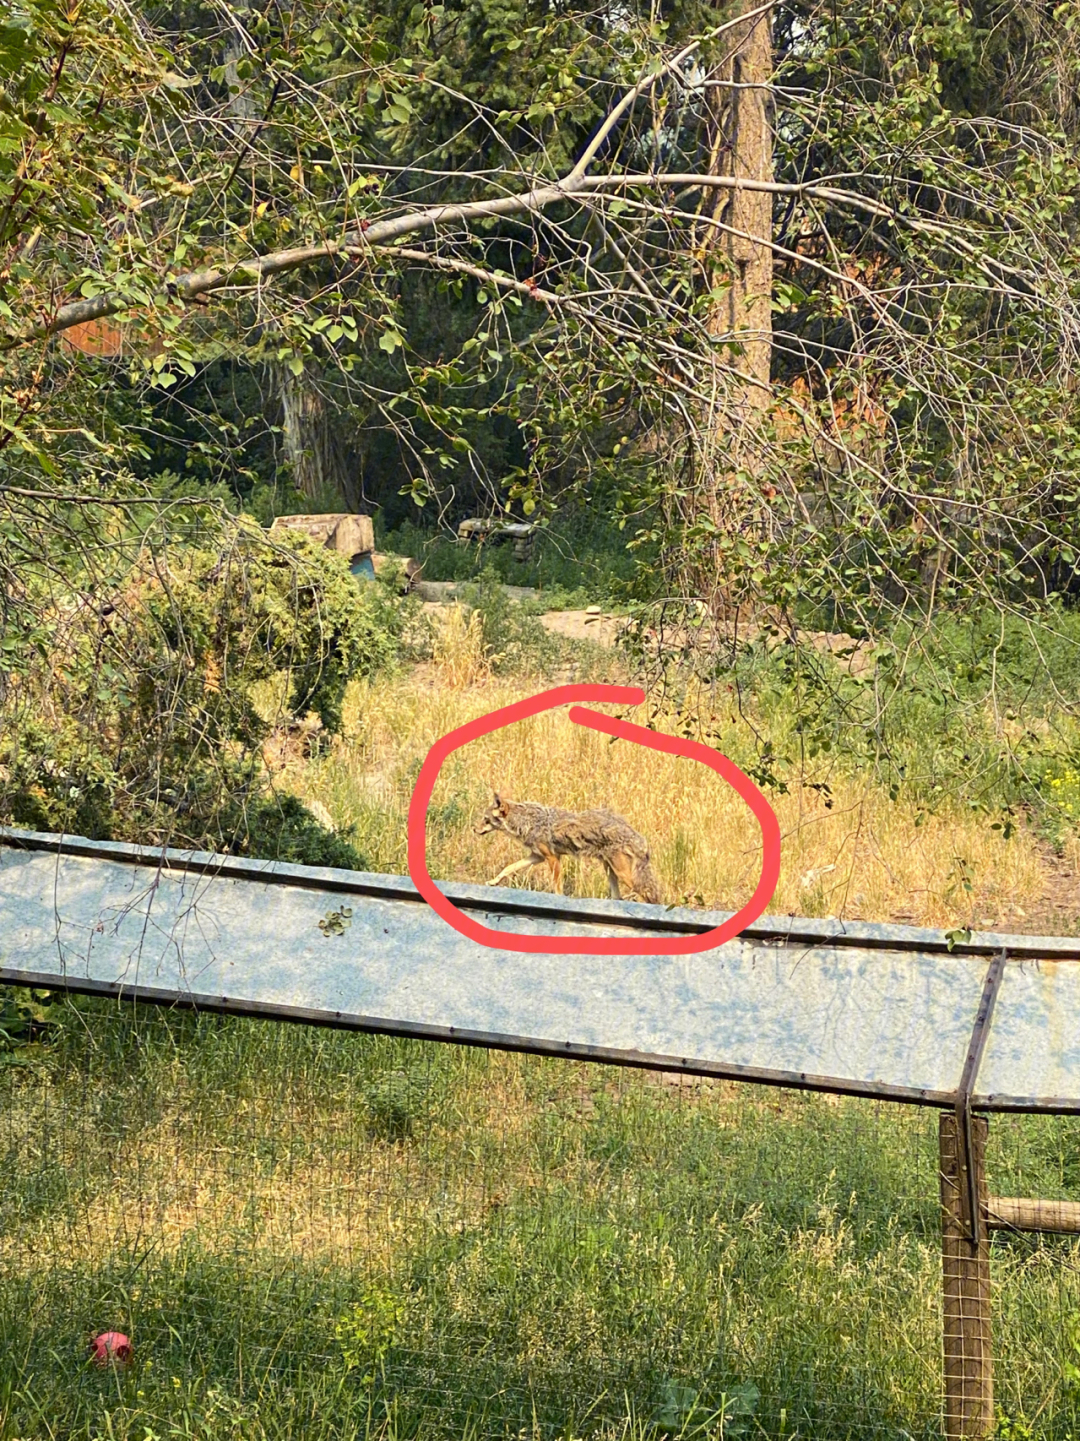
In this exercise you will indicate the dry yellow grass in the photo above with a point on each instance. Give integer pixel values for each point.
(271, 1178)
(867, 856)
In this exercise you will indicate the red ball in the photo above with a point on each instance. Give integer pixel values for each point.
(111, 1346)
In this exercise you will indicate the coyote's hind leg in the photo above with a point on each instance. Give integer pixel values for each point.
(622, 869)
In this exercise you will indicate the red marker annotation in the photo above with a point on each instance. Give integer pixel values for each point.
(623, 730)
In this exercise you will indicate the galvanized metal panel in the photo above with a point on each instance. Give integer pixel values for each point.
(1032, 1058)
(245, 936)
(871, 935)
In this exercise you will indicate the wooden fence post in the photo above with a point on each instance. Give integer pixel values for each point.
(965, 1258)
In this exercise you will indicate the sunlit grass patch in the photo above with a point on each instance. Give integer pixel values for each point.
(848, 848)
(316, 1234)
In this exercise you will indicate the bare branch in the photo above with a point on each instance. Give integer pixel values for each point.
(359, 244)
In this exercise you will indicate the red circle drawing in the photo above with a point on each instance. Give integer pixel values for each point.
(624, 730)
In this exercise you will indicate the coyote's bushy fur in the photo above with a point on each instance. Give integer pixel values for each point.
(548, 834)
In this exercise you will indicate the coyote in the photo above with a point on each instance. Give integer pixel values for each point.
(548, 834)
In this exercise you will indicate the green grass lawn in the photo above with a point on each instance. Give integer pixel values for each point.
(313, 1234)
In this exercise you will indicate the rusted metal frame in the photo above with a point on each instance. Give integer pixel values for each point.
(487, 1040)
(976, 1046)
(792, 931)
(1026, 1105)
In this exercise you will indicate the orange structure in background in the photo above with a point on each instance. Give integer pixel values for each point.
(106, 340)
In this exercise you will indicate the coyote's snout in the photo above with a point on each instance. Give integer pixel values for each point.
(548, 834)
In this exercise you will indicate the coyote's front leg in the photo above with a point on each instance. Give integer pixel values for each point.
(516, 866)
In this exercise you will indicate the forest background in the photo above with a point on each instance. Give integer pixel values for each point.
(767, 315)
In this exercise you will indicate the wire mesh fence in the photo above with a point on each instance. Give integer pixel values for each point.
(323, 1234)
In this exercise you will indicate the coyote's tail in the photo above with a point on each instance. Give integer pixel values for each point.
(645, 883)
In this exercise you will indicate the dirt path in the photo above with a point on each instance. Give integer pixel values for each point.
(1057, 911)
(583, 625)
(856, 656)
(589, 625)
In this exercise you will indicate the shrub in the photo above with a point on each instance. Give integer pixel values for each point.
(139, 719)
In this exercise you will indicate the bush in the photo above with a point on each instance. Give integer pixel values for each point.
(513, 638)
(280, 828)
(140, 722)
(26, 1015)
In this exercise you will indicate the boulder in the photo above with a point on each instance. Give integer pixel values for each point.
(349, 535)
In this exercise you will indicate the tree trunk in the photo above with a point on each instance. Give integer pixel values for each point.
(317, 460)
(741, 147)
(323, 467)
(738, 266)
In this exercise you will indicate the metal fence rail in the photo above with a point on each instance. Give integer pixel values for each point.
(861, 1009)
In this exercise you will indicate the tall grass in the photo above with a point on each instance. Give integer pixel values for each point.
(316, 1234)
(849, 847)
